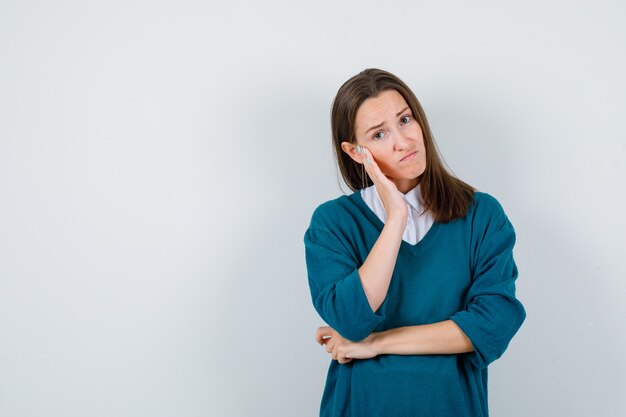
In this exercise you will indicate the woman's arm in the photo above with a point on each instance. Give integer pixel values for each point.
(345, 292)
(443, 337)
(376, 271)
(436, 338)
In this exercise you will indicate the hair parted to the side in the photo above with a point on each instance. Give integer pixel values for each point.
(445, 195)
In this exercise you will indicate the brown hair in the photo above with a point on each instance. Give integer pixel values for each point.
(445, 195)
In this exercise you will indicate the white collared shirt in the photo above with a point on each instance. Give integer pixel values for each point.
(418, 222)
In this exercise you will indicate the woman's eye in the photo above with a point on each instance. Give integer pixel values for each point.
(376, 135)
(407, 119)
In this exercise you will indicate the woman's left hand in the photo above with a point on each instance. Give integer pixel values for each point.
(343, 349)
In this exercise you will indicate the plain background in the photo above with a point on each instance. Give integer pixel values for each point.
(160, 160)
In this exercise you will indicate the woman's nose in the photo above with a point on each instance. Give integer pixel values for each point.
(401, 140)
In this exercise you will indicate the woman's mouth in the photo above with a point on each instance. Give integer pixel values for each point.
(408, 157)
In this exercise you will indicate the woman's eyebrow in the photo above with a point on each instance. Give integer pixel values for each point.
(379, 125)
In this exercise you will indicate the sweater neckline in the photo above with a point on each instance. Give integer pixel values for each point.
(404, 245)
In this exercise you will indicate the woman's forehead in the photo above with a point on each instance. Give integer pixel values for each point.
(379, 109)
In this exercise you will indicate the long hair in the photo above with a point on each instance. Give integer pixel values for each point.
(445, 195)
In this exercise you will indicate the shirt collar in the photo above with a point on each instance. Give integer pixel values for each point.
(414, 198)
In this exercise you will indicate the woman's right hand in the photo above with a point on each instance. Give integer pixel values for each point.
(394, 204)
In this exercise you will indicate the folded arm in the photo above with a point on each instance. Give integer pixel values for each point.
(347, 295)
(443, 337)
(435, 338)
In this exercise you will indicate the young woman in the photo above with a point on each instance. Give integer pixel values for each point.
(413, 272)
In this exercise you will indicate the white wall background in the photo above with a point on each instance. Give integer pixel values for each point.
(160, 160)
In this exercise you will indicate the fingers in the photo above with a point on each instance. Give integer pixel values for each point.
(324, 337)
(341, 357)
(325, 341)
(385, 186)
(368, 159)
(339, 353)
(334, 345)
(321, 332)
(371, 167)
(332, 341)
(330, 345)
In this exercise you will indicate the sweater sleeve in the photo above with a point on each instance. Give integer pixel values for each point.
(493, 314)
(336, 290)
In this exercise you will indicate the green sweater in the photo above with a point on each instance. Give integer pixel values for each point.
(461, 270)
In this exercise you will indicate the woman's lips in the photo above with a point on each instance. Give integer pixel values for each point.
(408, 157)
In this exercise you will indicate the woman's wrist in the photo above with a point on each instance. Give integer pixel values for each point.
(397, 221)
(374, 341)
(444, 337)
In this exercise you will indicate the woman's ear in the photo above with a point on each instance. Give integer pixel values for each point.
(351, 150)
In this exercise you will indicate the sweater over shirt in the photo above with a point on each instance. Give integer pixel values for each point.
(418, 221)
(462, 270)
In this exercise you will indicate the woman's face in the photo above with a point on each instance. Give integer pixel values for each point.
(386, 127)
